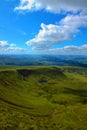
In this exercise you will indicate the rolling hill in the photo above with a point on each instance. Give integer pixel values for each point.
(43, 98)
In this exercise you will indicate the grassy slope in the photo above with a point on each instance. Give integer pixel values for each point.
(43, 98)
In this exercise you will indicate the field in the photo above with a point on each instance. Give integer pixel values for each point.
(43, 98)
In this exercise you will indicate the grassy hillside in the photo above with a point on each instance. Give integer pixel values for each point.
(43, 98)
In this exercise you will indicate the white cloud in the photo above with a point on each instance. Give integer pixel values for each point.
(54, 34)
(79, 50)
(55, 6)
(74, 20)
(25, 4)
(49, 35)
(4, 44)
(6, 48)
(66, 29)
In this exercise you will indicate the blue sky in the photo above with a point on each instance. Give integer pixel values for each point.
(43, 27)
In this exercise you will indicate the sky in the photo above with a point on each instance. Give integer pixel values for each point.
(43, 27)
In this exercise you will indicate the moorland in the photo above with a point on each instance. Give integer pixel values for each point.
(43, 98)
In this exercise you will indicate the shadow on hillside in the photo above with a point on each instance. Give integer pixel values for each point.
(25, 72)
(51, 72)
(81, 93)
(15, 104)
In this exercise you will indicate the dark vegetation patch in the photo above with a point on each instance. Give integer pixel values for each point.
(49, 71)
(42, 81)
(25, 72)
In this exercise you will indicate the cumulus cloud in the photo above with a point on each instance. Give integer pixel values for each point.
(74, 20)
(79, 50)
(55, 6)
(52, 34)
(6, 48)
(66, 29)
(49, 35)
(4, 44)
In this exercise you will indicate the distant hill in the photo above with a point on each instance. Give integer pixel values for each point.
(44, 60)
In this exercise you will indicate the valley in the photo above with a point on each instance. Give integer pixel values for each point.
(43, 98)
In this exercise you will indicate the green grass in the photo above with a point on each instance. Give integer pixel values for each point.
(43, 98)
